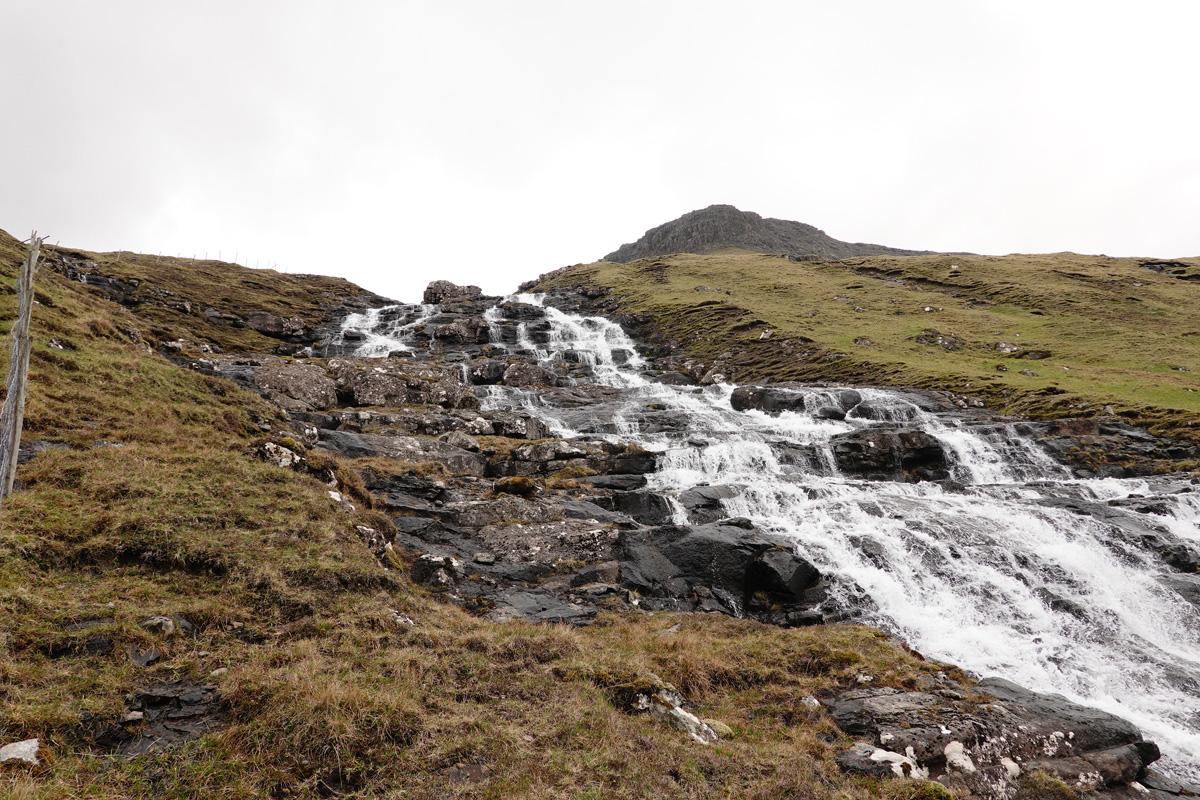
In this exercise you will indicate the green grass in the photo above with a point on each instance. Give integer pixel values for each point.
(1107, 349)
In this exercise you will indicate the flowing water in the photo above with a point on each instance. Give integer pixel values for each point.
(1013, 568)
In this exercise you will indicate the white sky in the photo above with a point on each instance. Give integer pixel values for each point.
(486, 142)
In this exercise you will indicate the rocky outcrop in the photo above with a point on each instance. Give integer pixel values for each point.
(904, 454)
(719, 226)
(980, 741)
(439, 292)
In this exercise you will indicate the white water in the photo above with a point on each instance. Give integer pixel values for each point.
(994, 577)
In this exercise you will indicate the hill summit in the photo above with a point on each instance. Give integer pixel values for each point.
(719, 226)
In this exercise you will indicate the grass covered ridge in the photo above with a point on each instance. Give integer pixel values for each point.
(1117, 333)
(150, 504)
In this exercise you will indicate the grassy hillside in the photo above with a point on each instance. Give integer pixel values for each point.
(148, 502)
(1095, 332)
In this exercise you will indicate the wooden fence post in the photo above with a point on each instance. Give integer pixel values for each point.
(12, 417)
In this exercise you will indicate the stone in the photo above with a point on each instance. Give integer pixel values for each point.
(278, 455)
(438, 572)
(703, 503)
(219, 672)
(276, 326)
(160, 626)
(440, 291)
(143, 657)
(523, 373)
(296, 387)
(27, 752)
(648, 508)
(460, 439)
(903, 454)
(470, 330)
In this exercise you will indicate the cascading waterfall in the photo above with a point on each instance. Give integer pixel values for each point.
(1013, 568)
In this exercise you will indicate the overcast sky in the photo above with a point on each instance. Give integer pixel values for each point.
(486, 142)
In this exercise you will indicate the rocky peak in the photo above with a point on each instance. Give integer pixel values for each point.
(719, 226)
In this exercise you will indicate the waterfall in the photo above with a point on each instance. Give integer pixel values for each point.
(1013, 568)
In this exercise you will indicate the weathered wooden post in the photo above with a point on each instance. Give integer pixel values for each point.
(12, 417)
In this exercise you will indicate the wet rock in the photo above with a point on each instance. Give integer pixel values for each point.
(1188, 586)
(525, 374)
(903, 454)
(438, 292)
(540, 606)
(703, 503)
(674, 379)
(648, 508)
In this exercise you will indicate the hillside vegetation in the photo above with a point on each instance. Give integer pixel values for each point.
(306, 668)
(1040, 335)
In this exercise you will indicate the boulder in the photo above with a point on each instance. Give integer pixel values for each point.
(460, 439)
(470, 330)
(276, 326)
(296, 387)
(438, 292)
(703, 503)
(879, 453)
(648, 508)
(394, 383)
(522, 373)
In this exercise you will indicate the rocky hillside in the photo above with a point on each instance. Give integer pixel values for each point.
(1045, 336)
(243, 561)
(721, 226)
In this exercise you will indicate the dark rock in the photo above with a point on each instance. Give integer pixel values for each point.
(890, 454)
(143, 657)
(1188, 586)
(616, 482)
(703, 503)
(647, 508)
(581, 509)
(439, 292)
(857, 761)
(540, 606)
(675, 379)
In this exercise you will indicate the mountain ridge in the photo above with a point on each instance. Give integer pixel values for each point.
(717, 227)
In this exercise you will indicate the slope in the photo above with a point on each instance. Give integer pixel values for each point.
(299, 665)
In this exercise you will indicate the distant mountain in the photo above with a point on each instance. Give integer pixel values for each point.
(720, 226)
